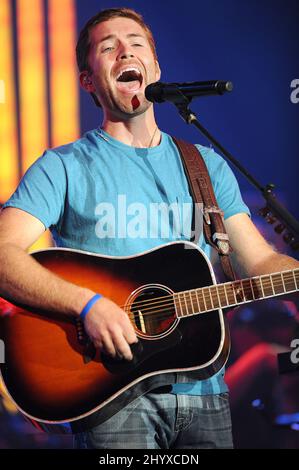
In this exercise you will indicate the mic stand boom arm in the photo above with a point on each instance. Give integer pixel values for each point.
(273, 210)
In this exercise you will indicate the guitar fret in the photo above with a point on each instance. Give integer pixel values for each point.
(230, 293)
(197, 301)
(186, 304)
(204, 300)
(221, 293)
(278, 286)
(177, 296)
(191, 301)
(258, 287)
(207, 298)
(295, 273)
(234, 292)
(218, 299)
(267, 287)
(183, 305)
(225, 293)
(261, 284)
(252, 289)
(239, 292)
(247, 290)
(201, 301)
(272, 284)
(290, 281)
(284, 286)
(212, 298)
(244, 295)
(180, 305)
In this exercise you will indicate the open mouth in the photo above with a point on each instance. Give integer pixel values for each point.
(129, 80)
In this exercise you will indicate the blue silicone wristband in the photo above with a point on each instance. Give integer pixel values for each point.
(88, 306)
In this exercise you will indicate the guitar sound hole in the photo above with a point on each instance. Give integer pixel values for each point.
(153, 311)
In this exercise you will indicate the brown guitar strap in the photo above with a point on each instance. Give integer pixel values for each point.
(203, 194)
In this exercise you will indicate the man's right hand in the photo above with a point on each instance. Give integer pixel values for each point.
(109, 328)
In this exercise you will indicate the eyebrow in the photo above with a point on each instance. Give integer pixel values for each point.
(113, 36)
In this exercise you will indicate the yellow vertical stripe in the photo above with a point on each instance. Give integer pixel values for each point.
(33, 89)
(33, 86)
(63, 72)
(8, 125)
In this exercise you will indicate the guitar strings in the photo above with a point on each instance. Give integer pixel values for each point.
(212, 295)
(216, 287)
(238, 284)
(153, 304)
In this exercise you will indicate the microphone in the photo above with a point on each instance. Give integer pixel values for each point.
(159, 92)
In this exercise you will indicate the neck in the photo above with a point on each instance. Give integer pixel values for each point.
(230, 294)
(138, 131)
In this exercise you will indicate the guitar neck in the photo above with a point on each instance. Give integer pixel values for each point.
(231, 294)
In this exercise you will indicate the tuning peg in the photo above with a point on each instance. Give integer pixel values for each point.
(264, 212)
(279, 228)
(270, 187)
(270, 219)
(295, 245)
(288, 237)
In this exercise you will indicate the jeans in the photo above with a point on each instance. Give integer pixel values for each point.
(164, 421)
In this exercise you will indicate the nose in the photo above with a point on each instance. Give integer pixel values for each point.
(125, 51)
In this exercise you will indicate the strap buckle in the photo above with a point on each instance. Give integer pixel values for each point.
(209, 210)
(222, 241)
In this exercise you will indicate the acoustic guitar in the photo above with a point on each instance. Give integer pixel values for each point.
(59, 381)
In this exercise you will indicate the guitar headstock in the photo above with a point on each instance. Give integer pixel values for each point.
(280, 227)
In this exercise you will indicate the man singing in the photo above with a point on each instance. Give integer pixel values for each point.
(129, 157)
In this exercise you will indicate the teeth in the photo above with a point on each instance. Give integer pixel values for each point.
(128, 69)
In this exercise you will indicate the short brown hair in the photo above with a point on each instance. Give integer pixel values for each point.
(83, 44)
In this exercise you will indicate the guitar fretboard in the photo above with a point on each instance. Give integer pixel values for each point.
(235, 293)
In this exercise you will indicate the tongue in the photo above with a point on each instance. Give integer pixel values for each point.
(132, 86)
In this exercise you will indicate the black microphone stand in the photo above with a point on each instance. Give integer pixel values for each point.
(274, 210)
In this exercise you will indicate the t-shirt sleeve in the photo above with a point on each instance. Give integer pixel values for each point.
(225, 184)
(41, 191)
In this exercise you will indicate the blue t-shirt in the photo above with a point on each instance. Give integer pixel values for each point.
(100, 195)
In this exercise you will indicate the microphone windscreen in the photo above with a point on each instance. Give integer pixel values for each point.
(153, 92)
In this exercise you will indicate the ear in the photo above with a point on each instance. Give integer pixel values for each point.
(158, 71)
(86, 82)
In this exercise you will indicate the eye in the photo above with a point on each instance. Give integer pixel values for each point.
(107, 49)
(136, 44)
